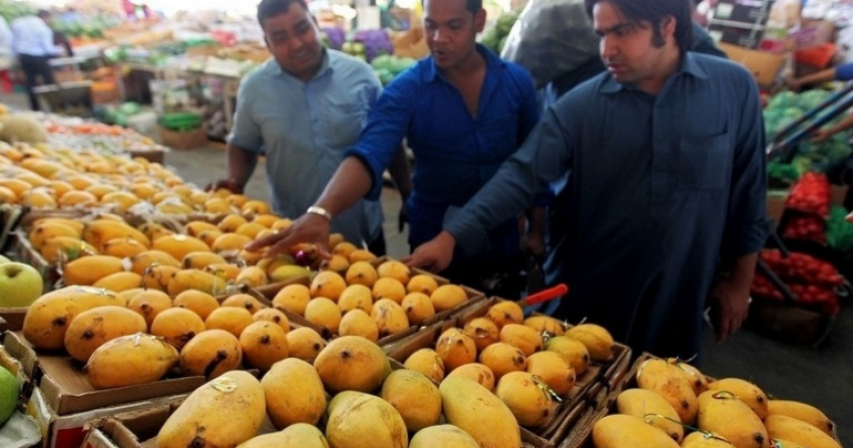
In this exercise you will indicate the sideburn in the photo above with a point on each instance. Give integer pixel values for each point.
(657, 37)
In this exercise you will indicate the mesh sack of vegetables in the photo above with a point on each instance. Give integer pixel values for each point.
(811, 194)
(551, 38)
(805, 227)
(802, 268)
(818, 298)
(839, 232)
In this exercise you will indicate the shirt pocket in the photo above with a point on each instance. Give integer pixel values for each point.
(703, 161)
(344, 122)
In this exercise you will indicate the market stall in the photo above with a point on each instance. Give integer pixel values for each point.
(132, 316)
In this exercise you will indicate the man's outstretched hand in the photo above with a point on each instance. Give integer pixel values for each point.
(434, 255)
(229, 184)
(309, 228)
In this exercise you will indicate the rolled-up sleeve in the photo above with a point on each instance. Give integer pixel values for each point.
(746, 226)
(544, 157)
(245, 133)
(386, 127)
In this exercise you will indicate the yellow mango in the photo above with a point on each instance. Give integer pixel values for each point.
(47, 230)
(474, 409)
(98, 232)
(150, 258)
(414, 396)
(354, 415)
(195, 279)
(444, 436)
(61, 248)
(745, 392)
(653, 409)
(88, 270)
(210, 354)
(130, 360)
(667, 381)
(47, 319)
(225, 412)
(723, 414)
(294, 393)
(300, 435)
(596, 338)
(352, 363)
(704, 440)
(120, 281)
(622, 431)
(180, 246)
(527, 397)
(93, 328)
(803, 412)
(799, 432)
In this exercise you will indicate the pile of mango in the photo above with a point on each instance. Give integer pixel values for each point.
(365, 300)
(107, 252)
(138, 337)
(46, 176)
(509, 356)
(672, 398)
(364, 402)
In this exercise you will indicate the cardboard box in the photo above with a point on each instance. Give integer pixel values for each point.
(139, 429)
(65, 400)
(839, 194)
(26, 253)
(764, 66)
(19, 349)
(588, 386)
(776, 205)
(151, 156)
(11, 363)
(69, 431)
(183, 140)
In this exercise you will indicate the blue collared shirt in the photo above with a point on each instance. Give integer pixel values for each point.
(303, 128)
(661, 187)
(455, 152)
(31, 36)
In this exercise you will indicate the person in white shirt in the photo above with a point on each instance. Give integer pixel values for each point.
(6, 54)
(32, 41)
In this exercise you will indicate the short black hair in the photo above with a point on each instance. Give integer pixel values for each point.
(43, 13)
(654, 11)
(472, 6)
(272, 8)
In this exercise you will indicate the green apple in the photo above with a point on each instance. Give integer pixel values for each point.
(10, 389)
(20, 285)
(4, 260)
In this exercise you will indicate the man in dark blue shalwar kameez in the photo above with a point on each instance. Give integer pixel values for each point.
(668, 184)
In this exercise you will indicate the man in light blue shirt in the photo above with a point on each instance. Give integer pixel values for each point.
(302, 108)
(32, 41)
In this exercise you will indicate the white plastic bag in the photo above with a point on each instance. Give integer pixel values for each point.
(551, 38)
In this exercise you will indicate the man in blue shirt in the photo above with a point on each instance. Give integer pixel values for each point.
(32, 41)
(668, 184)
(463, 112)
(302, 108)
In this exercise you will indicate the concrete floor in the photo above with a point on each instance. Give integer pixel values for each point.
(822, 377)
